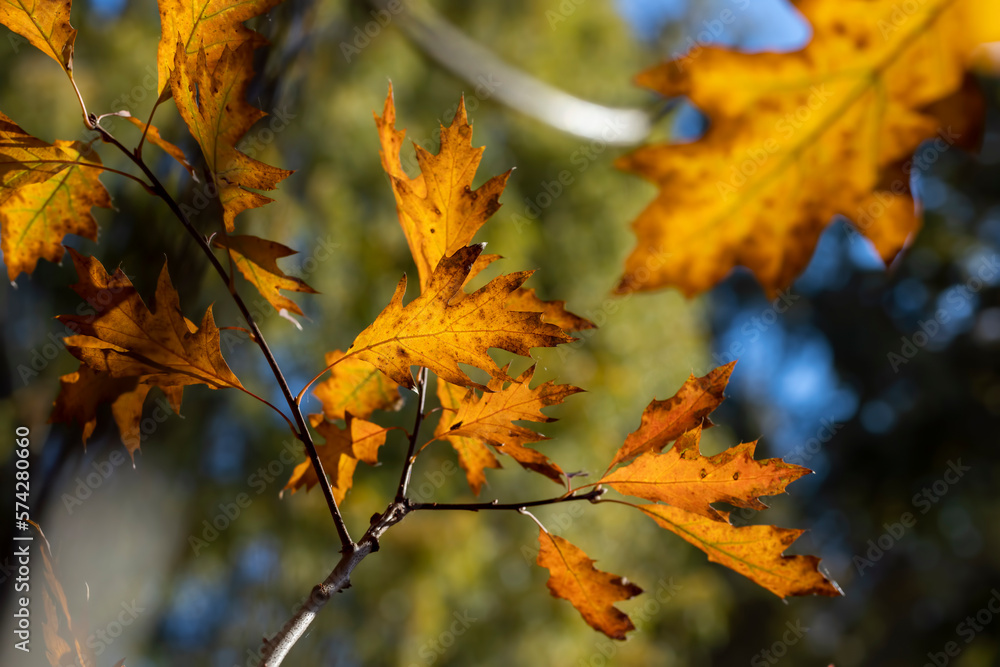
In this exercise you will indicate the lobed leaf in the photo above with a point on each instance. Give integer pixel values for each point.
(433, 332)
(753, 551)
(795, 139)
(355, 387)
(257, 260)
(573, 577)
(45, 24)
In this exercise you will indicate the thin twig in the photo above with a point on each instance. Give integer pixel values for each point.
(404, 477)
(592, 496)
(303, 433)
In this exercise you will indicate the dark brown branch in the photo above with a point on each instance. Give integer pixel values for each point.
(404, 477)
(591, 495)
(303, 429)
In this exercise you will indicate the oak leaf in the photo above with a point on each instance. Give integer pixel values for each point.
(684, 478)
(473, 456)
(211, 98)
(81, 393)
(360, 440)
(47, 192)
(753, 551)
(45, 24)
(553, 312)
(214, 25)
(438, 210)
(797, 138)
(125, 338)
(257, 260)
(573, 577)
(355, 387)
(433, 332)
(489, 419)
(665, 421)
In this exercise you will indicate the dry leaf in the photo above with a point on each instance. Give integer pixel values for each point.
(257, 260)
(126, 338)
(473, 455)
(437, 334)
(573, 577)
(211, 98)
(665, 421)
(684, 478)
(797, 138)
(438, 210)
(753, 551)
(356, 387)
(45, 24)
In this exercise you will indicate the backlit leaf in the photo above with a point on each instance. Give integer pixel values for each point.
(356, 387)
(437, 334)
(573, 577)
(257, 260)
(45, 24)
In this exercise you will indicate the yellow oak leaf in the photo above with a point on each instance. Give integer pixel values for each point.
(125, 338)
(45, 24)
(438, 210)
(473, 455)
(48, 192)
(573, 577)
(795, 139)
(355, 387)
(553, 312)
(359, 441)
(257, 260)
(213, 24)
(684, 478)
(490, 419)
(753, 551)
(665, 421)
(433, 332)
(211, 98)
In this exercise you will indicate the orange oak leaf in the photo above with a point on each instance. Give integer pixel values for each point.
(437, 334)
(211, 98)
(83, 391)
(665, 421)
(797, 138)
(213, 24)
(355, 387)
(438, 210)
(473, 455)
(45, 24)
(257, 260)
(359, 441)
(489, 419)
(154, 137)
(573, 577)
(125, 338)
(753, 551)
(684, 478)
(47, 192)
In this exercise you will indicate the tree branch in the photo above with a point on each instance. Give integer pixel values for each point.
(404, 477)
(592, 496)
(303, 434)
